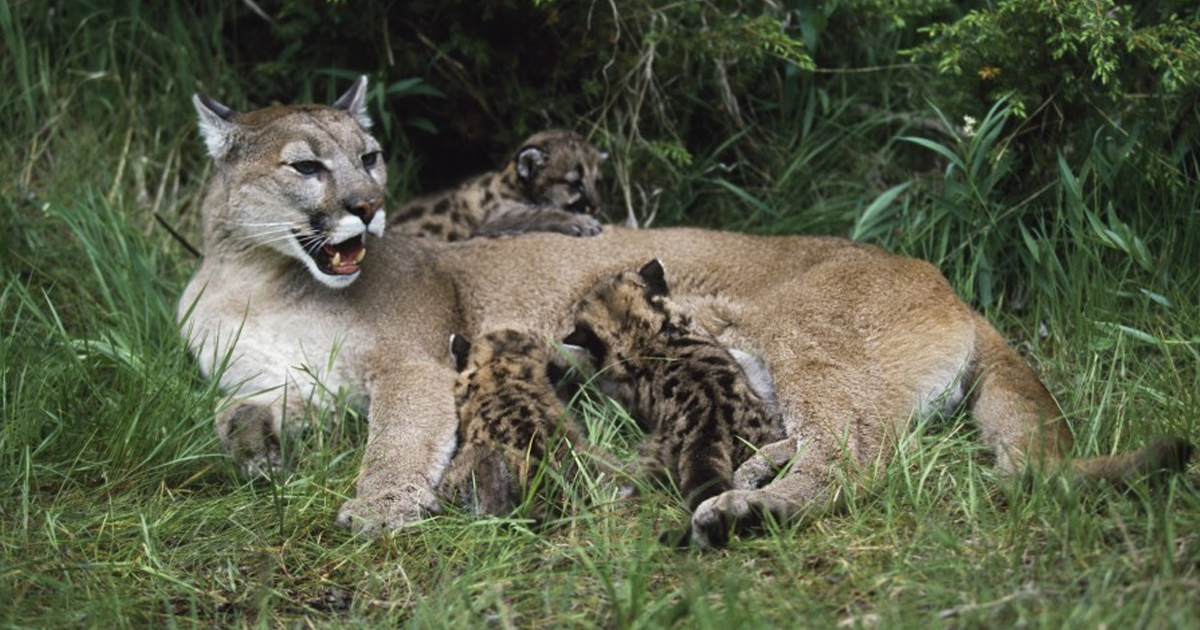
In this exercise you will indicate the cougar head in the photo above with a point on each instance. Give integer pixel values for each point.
(303, 181)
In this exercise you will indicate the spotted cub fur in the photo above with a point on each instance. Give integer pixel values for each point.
(509, 422)
(549, 185)
(703, 413)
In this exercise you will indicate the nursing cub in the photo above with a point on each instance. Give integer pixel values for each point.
(702, 412)
(548, 185)
(513, 432)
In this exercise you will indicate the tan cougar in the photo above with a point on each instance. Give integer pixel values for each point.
(860, 341)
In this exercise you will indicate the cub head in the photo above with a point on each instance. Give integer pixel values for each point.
(559, 168)
(304, 182)
(620, 318)
(513, 353)
(468, 356)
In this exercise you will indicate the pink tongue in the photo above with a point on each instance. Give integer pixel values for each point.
(349, 251)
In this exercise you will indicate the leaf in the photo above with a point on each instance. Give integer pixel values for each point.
(1035, 251)
(1159, 299)
(937, 148)
(741, 193)
(1132, 332)
(422, 123)
(870, 220)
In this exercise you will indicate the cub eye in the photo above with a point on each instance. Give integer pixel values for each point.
(307, 167)
(671, 330)
(369, 160)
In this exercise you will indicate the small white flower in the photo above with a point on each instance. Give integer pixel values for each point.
(969, 126)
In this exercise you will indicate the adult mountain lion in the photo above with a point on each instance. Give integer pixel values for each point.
(860, 341)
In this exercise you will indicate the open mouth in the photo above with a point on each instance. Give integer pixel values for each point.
(338, 259)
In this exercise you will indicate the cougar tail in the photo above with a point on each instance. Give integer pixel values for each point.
(1023, 425)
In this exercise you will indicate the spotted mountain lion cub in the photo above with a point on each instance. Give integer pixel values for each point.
(510, 422)
(702, 413)
(548, 185)
(286, 303)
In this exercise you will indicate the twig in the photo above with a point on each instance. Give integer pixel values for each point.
(177, 236)
(898, 66)
(1026, 591)
(258, 10)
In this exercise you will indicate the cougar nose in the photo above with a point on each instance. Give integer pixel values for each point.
(365, 209)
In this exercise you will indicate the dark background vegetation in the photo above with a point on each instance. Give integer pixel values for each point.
(766, 116)
(1043, 154)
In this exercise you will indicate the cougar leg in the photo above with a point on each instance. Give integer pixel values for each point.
(807, 489)
(1023, 425)
(1018, 418)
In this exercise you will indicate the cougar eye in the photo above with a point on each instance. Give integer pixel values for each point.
(369, 160)
(307, 167)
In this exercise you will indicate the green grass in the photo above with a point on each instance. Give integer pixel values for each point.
(118, 510)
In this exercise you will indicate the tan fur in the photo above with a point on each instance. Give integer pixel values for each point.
(547, 185)
(510, 423)
(702, 413)
(859, 340)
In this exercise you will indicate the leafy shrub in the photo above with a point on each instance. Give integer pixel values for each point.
(1071, 68)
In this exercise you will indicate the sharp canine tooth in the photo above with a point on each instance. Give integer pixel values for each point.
(337, 260)
(362, 253)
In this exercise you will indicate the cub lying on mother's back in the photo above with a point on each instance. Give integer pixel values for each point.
(548, 185)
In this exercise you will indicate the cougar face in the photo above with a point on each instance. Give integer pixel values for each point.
(305, 182)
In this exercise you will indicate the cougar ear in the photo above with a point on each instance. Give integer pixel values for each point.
(354, 102)
(529, 160)
(460, 348)
(655, 276)
(216, 125)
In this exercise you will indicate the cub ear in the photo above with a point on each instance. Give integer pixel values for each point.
(460, 348)
(655, 276)
(216, 125)
(584, 343)
(354, 102)
(529, 160)
(574, 354)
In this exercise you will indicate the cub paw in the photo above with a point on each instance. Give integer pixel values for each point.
(719, 517)
(765, 465)
(582, 225)
(391, 511)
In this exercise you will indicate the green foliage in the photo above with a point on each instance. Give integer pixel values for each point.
(1071, 68)
(1074, 52)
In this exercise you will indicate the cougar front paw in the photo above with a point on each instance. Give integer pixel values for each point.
(248, 433)
(719, 517)
(392, 510)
